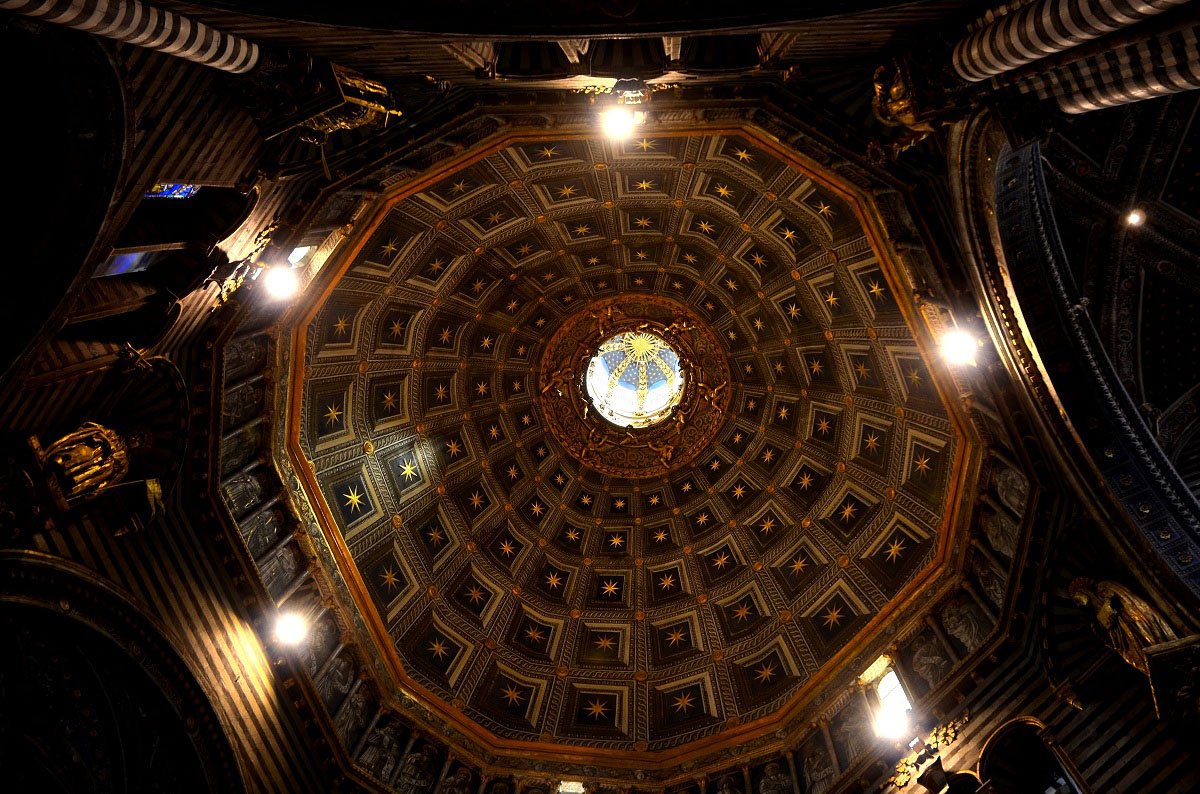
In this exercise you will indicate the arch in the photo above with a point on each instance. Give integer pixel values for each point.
(1021, 757)
(98, 691)
(62, 165)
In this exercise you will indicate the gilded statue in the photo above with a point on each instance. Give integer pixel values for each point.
(900, 102)
(1131, 624)
(81, 464)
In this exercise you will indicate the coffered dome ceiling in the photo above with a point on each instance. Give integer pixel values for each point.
(547, 578)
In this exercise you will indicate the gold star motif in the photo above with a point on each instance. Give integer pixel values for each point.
(690, 258)
(437, 266)
(354, 499)
(768, 455)
(848, 510)
(389, 401)
(408, 470)
(582, 229)
(804, 481)
(759, 324)
(459, 187)
(831, 299)
(513, 695)
(824, 209)
(453, 448)
(397, 328)
(789, 235)
(815, 366)
(524, 249)
(390, 247)
(645, 184)
(481, 389)
(476, 500)
(798, 565)
(793, 311)
(609, 588)
(738, 491)
(494, 218)
(715, 465)
(441, 392)
(593, 260)
(618, 504)
(646, 144)
(833, 617)
(478, 285)
(720, 561)
(706, 227)
(782, 413)
(566, 191)
(731, 285)
(513, 471)
(876, 289)
(641, 256)
(572, 535)
(585, 499)
(743, 154)
(921, 464)
(823, 426)
(341, 325)
(702, 519)
(686, 487)
(767, 525)
(597, 709)
(666, 581)
(436, 537)
(675, 636)
(333, 415)
(605, 642)
(683, 702)
(660, 536)
(534, 634)
(737, 438)
(475, 594)
(548, 151)
(537, 509)
(390, 579)
(724, 192)
(765, 673)
(914, 377)
(871, 442)
(863, 370)
(445, 336)
(438, 648)
(644, 222)
(493, 432)
(742, 611)
(553, 581)
(895, 549)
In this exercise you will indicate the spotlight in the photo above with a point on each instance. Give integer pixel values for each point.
(281, 282)
(891, 724)
(290, 628)
(618, 123)
(1135, 217)
(958, 347)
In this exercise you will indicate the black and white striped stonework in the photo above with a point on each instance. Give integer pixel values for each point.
(1165, 64)
(139, 23)
(1046, 27)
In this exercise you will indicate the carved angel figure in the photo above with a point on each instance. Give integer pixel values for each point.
(818, 772)
(418, 772)
(1131, 625)
(774, 781)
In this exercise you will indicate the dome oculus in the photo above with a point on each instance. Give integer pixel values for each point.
(635, 379)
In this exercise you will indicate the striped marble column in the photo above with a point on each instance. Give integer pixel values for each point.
(135, 22)
(1043, 28)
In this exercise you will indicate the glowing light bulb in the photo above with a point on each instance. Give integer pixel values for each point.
(291, 629)
(891, 724)
(958, 347)
(1135, 218)
(281, 282)
(618, 123)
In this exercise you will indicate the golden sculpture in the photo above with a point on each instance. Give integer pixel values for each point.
(83, 463)
(1131, 624)
(900, 102)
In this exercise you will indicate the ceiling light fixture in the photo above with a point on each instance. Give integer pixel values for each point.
(1135, 217)
(281, 282)
(619, 123)
(958, 347)
(290, 628)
